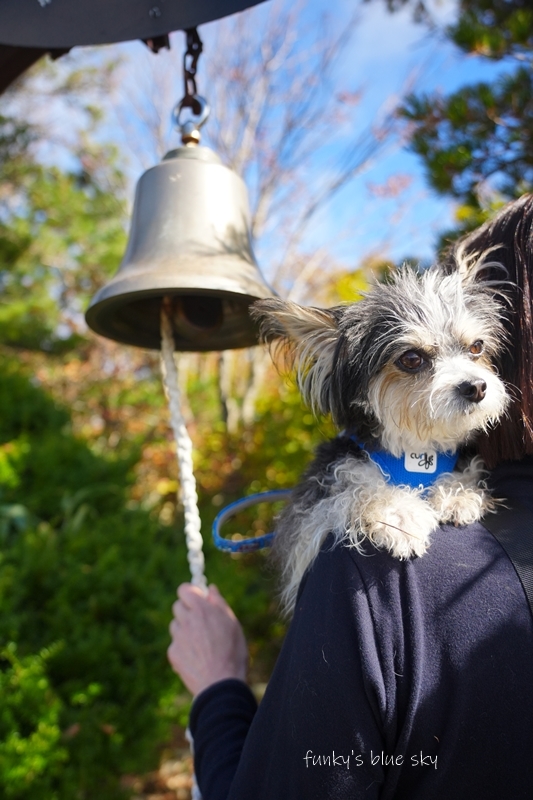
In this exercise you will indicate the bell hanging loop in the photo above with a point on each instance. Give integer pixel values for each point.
(190, 128)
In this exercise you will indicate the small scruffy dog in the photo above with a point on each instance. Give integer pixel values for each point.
(407, 373)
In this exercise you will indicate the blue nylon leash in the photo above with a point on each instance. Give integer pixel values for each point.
(254, 542)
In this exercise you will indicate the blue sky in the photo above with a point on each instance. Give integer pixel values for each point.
(387, 51)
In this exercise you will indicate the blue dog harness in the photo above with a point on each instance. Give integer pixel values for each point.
(418, 470)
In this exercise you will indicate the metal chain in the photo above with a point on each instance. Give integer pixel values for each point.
(199, 108)
(190, 66)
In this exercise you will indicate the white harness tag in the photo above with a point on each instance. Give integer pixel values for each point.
(421, 462)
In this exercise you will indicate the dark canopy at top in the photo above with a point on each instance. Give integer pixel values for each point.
(30, 28)
(65, 23)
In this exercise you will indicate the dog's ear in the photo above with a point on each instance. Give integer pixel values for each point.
(494, 253)
(283, 319)
(481, 266)
(307, 339)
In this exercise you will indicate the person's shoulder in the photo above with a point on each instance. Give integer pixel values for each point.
(456, 557)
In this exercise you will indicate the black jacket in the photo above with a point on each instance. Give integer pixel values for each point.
(407, 680)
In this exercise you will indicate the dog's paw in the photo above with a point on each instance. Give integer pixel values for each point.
(400, 523)
(454, 503)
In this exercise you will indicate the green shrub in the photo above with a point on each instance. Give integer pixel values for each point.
(105, 594)
(31, 751)
(88, 585)
(87, 582)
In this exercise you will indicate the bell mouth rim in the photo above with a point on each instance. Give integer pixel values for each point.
(101, 311)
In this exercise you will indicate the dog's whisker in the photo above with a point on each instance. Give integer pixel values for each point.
(405, 533)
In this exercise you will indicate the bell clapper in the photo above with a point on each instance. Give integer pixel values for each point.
(183, 441)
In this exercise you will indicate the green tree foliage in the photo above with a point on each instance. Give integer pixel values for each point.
(89, 558)
(495, 28)
(87, 580)
(477, 143)
(480, 133)
(61, 233)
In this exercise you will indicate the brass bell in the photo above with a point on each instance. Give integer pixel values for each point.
(189, 241)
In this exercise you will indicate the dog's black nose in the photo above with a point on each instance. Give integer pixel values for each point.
(474, 391)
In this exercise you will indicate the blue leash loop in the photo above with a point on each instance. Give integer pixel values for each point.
(253, 542)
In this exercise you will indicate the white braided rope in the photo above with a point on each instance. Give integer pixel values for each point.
(195, 789)
(193, 535)
(193, 524)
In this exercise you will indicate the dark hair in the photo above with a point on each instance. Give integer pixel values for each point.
(509, 237)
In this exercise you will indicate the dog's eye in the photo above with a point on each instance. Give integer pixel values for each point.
(411, 361)
(476, 349)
